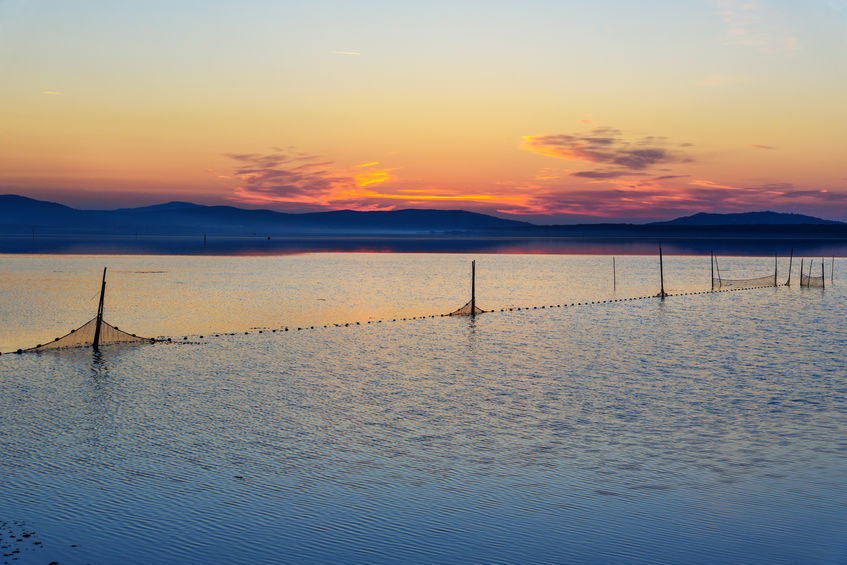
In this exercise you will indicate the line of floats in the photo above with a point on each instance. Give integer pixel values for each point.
(284, 329)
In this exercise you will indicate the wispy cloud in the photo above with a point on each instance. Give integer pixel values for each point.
(748, 23)
(656, 198)
(670, 177)
(711, 184)
(280, 177)
(760, 146)
(608, 147)
(346, 53)
(52, 93)
(369, 175)
(299, 181)
(603, 174)
(625, 187)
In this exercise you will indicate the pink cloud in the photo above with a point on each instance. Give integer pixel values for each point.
(618, 155)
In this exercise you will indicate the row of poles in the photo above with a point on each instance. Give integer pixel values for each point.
(662, 293)
(473, 311)
(716, 266)
(823, 273)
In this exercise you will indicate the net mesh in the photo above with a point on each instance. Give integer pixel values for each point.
(743, 283)
(810, 281)
(84, 336)
(467, 310)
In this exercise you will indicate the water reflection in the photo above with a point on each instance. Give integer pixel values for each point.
(632, 432)
(192, 296)
(471, 332)
(101, 410)
(581, 245)
(99, 366)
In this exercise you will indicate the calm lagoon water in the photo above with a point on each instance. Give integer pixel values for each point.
(706, 428)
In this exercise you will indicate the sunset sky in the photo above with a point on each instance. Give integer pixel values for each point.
(556, 110)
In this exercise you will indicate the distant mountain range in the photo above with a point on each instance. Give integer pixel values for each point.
(745, 219)
(21, 215)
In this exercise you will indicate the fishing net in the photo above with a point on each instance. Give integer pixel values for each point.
(810, 281)
(743, 283)
(467, 310)
(84, 336)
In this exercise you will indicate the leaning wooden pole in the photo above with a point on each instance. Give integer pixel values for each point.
(790, 260)
(473, 288)
(718, 269)
(832, 270)
(96, 343)
(774, 269)
(662, 292)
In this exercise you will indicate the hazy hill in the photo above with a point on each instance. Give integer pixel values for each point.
(744, 219)
(22, 215)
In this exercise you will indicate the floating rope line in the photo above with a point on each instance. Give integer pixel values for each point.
(104, 333)
(283, 329)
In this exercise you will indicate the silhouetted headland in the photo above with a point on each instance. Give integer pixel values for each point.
(33, 226)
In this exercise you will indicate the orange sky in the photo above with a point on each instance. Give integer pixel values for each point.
(558, 111)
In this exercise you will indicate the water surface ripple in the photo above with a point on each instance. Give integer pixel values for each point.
(700, 429)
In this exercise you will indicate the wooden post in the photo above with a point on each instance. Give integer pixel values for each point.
(718, 269)
(823, 275)
(662, 292)
(614, 275)
(803, 260)
(790, 260)
(712, 258)
(96, 343)
(473, 288)
(832, 270)
(774, 269)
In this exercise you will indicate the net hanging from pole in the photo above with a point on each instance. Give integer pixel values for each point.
(810, 281)
(83, 336)
(468, 309)
(720, 283)
(95, 332)
(807, 280)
